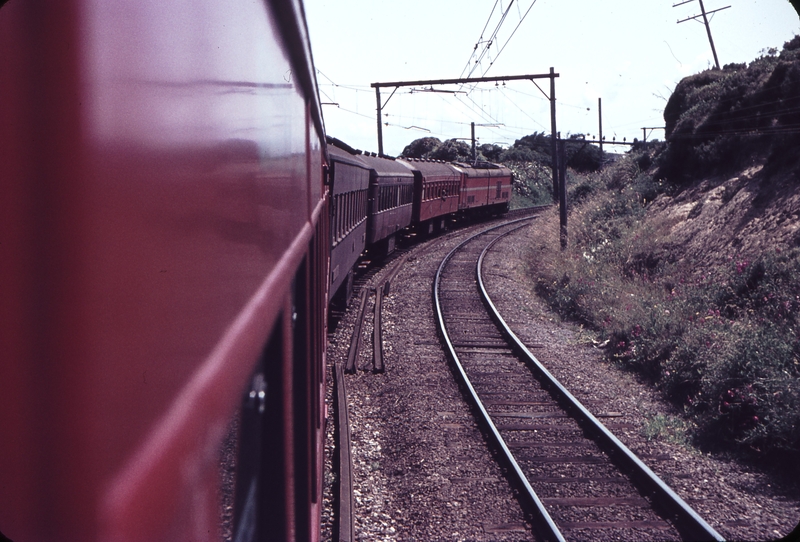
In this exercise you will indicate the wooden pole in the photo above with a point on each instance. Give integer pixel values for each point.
(553, 137)
(474, 155)
(600, 121)
(562, 190)
(380, 126)
(708, 31)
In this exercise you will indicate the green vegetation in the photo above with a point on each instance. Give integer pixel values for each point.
(718, 120)
(723, 345)
(533, 184)
(666, 428)
(720, 341)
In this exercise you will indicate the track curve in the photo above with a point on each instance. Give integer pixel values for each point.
(504, 380)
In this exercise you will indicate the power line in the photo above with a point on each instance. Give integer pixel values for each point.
(479, 39)
(511, 36)
(491, 40)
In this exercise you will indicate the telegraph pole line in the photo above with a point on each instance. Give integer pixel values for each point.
(704, 14)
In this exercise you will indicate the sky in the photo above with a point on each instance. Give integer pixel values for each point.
(629, 53)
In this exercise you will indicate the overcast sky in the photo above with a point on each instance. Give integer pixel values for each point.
(630, 53)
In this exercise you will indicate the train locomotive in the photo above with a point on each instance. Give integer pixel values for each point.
(173, 226)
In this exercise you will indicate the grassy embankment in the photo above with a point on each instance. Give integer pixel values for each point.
(721, 342)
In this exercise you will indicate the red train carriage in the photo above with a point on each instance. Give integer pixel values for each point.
(485, 185)
(164, 248)
(349, 185)
(391, 191)
(436, 193)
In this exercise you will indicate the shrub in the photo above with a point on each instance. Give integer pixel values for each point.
(719, 119)
(421, 148)
(723, 346)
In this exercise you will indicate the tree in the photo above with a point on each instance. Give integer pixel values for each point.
(490, 152)
(421, 148)
(452, 150)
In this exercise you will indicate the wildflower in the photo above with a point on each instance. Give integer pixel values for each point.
(740, 267)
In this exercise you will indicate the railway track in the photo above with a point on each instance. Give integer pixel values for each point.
(578, 480)
(371, 280)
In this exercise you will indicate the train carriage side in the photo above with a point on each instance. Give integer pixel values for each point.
(391, 192)
(349, 187)
(500, 182)
(484, 185)
(165, 265)
(436, 193)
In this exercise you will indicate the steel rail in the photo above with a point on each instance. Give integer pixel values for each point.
(377, 333)
(688, 522)
(355, 342)
(552, 531)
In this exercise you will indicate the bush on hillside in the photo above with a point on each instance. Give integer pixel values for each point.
(421, 148)
(452, 150)
(723, 348)
(718, 120)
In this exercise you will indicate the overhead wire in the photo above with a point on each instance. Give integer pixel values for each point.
(509, 38)
(469, 61)
(524, 112)
(490, 41)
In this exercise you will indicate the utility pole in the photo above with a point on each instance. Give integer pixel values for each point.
(553, 135)
(562, 191)
(600, 122)
(474, 155)
(651, 128)
(704, 14)
(380, 127)
(398, 84)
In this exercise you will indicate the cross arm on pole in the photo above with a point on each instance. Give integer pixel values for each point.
(463, 81)
(389, 98)
(699, 15)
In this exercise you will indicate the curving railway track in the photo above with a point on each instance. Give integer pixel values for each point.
(578, 480)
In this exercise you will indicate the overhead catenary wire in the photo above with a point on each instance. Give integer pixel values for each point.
(491, 40)
(480, 40)
(473, 62)
(509, 38)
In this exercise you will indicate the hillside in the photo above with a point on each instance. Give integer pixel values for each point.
(684, 258)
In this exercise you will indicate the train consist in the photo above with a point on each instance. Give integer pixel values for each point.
(374, 198)
(173, 225)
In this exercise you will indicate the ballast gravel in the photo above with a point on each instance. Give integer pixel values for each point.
(422, 469)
